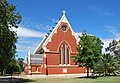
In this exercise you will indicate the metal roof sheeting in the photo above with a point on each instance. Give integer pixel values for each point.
(36, 58)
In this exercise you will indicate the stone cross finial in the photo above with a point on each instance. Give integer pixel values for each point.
(64, 12)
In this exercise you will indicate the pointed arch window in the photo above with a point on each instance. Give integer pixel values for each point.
(60, 52)
(64, 54)
(68, 56)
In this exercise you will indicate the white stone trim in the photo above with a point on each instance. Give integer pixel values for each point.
(62, 46)
(29, 67)
(39, 45)
(44, 55)
(29, 72)
(35, 72)
(68, 65)
(63, 19)
(45, 49)
(64, 65)
(45, 65)
(64, 70)
(60, 64)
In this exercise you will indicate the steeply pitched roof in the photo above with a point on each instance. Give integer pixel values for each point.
(40, 45)
(45, 40)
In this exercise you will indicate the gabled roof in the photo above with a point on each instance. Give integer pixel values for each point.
(40, 45)
(45, 40)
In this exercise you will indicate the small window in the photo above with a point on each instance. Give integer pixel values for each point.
(36, 69)
(64, 28)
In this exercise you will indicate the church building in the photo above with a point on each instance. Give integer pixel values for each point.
(54, 54)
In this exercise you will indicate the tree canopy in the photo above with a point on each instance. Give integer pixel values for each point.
(89, 49)
(9, 18)
(109, 63)
(21, 63)
(12, 67)
(114, 48)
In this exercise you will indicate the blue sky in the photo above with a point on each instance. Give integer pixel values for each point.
(99, 17)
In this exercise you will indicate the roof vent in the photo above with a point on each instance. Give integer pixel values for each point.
(53, 27)
(56, 23)
(48, 33)
(50, 30)
(46, 36)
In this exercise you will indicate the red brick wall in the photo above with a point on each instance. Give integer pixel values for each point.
(52, 57)
(74, 70)
(33, 68)
(60, 36)
(56, 40)
(53, 54)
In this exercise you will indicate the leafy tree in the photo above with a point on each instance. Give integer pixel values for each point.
(13, 66)
(114, 48)
(89, 49)
(9, 18)
(107, 64)
(21, 63)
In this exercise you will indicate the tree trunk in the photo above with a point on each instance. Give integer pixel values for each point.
(87, 72)
(11, 77)
(105, 72)
(2, 72)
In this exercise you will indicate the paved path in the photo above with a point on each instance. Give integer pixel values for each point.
(56, 76)
(29, 78)
(46, 76)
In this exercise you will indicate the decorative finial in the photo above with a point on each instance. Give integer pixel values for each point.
(28, 51)
(64, 12)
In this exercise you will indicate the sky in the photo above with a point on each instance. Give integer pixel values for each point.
(98, 17)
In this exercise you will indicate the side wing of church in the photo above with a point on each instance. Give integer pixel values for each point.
(53, 54)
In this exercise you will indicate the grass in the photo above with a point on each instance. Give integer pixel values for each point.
(110, 79)
(107, 79)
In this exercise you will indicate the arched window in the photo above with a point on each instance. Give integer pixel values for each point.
(60, 52)
(68, 56)
(64, 54)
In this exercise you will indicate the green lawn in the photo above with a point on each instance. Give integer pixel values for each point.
(111, 79)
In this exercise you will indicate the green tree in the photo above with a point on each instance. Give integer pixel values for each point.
(108, 64)
(89, 49)
(13, 66)
(21, 63)
(9, 18)
(114, 48)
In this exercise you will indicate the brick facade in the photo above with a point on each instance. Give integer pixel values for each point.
(58, 48)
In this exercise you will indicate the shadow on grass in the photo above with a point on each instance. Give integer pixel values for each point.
(95, 77)
(15, 80)
(92, 77)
